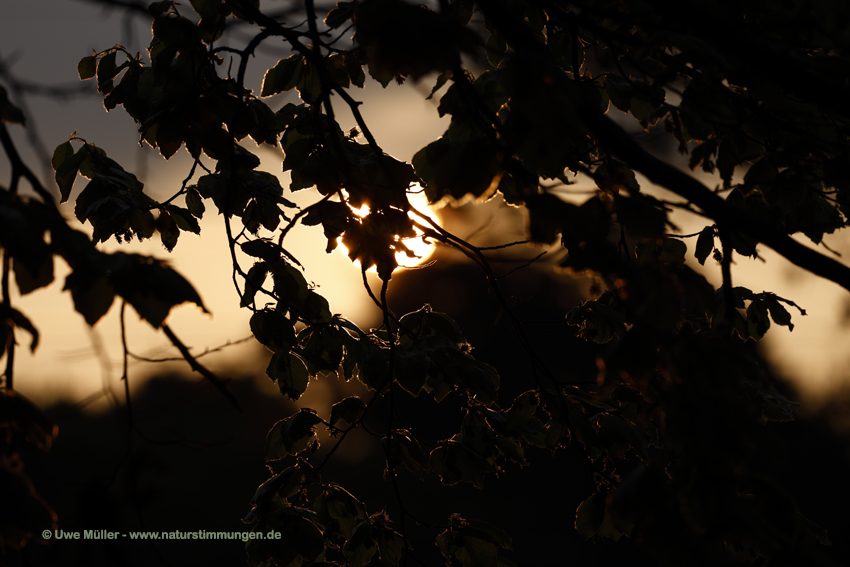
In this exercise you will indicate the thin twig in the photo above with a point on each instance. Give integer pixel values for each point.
(205, 353)
(221, 385)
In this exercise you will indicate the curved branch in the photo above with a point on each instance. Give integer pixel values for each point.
(621, 144)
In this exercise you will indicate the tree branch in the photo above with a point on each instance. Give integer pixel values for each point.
(221, 385)
(620, 143)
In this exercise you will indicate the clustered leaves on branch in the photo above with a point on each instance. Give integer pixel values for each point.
(681, 396)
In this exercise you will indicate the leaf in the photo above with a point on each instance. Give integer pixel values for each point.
(590, 514)
(283, 485)
(757, 320)
(92, 294)
(355, 70)
(206, 8)
(195, 203)
(442, 79)
(292, 435)
(262, 248)
(301, 539)
(615, 176)
(87, 67)
(350, 409)
(428, 323)
(156, 9)
(106, 71)
(361, 546)
(402, 448)
(28, 280)
(390, 547)
(382, 76)
(62, 152)
(335, 66)
(184, 219)
(67, 164)
(458, 171)
(619, 90)
(340, 14)
(290, 374)
(477, 552)
(151, 286)
(283, 76)
(669, 251)
(777, 311)
(254, 280)
(410, 369)
(705, 244)
(475, 543)
(168, 231)
(597, 321)
(496, 48)
(337, 508)
(523, 407)
(273, 330)
(646, 99)
(455, 463)
(309, 84)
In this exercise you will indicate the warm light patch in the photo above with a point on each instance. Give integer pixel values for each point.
(419, 247)
(417, 244)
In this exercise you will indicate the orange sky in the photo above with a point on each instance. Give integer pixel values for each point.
(67, 362)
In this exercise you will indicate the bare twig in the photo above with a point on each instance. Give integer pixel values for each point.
(221, 385)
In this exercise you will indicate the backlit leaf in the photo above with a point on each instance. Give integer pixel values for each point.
(349, 409)
(87, 67)
(292, 435)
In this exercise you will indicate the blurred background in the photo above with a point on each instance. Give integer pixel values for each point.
(197, 461)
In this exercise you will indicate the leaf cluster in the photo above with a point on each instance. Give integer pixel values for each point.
(680, 397)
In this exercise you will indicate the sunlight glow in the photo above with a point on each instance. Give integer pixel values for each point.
(417, 245)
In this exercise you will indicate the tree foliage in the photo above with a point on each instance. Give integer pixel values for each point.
(752, 92)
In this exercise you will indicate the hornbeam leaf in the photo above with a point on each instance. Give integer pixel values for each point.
(705, 244)
(350, 409)
(151, 286)
(292, 435)
(283, 76)
(589, 515)
(336, 506)
(87, 67)
(361, 546)
(29, 280)
(288, 371)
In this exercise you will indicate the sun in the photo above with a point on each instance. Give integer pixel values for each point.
(416, 244)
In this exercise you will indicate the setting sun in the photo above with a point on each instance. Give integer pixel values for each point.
(417, 244)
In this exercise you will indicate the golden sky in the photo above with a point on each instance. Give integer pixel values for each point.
(76, 361)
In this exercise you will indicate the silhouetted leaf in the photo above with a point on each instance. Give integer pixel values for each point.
(361, 546)
(350, 409)
(292, 435)
(597, 321)
(87, 67)
(289, 373)
(28, 280)
(403, 449)
(339, 510)
(705, 244)
(284, 76)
